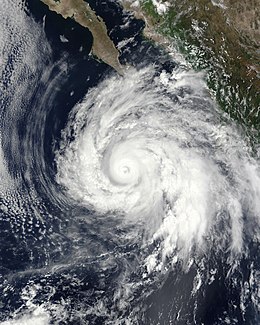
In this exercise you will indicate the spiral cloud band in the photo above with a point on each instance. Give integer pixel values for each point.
(152, 149)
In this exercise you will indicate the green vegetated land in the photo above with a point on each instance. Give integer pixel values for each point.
(216, 40)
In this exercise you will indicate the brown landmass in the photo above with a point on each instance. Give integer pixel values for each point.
(220, 36)
(103, 47)
(242, 15)
(245, 17)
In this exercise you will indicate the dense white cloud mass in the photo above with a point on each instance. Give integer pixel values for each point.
(151, 148)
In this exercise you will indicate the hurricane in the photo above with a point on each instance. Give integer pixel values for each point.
(152, 150)
(123, 197)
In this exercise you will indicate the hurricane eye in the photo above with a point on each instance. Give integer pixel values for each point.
(125, 169)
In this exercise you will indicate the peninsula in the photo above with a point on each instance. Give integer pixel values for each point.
(79, 10)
